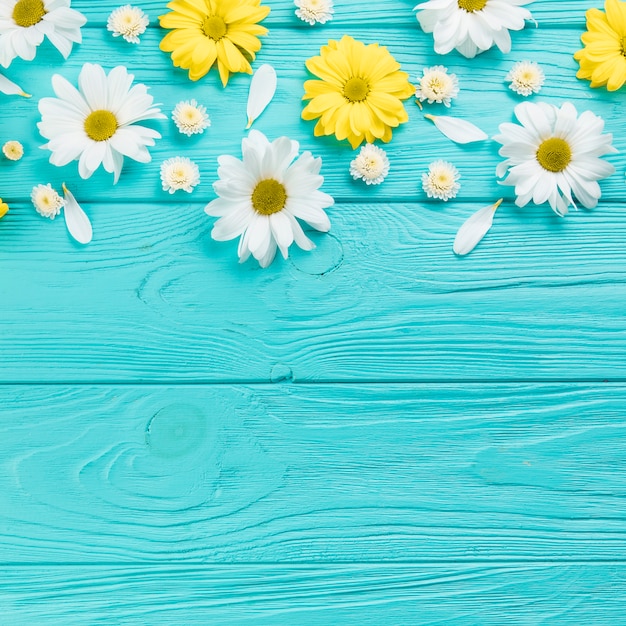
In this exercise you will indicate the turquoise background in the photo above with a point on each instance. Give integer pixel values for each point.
(376, 432)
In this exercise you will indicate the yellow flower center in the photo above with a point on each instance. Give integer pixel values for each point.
(100, 125)
(472, 5)
(269, 196)
(214, 27)
(27, 13)
(356, 89)
(554, 154)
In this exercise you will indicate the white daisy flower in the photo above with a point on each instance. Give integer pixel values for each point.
(472, 26)
(441, 180)
(190, 117)
(13, 150)
(312, 11)
(24, 23)
(526, 78)
(128, 22)
(179, 173)
(261, 196)
(554, 155)
(370, 165)
(436, 85)
(46, 200)
(96, 124)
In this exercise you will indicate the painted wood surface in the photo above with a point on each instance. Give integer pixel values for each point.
(375, 432)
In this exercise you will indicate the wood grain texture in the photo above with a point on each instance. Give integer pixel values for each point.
(484, 99)
(312, 474)
(382, 298)
(402, 595)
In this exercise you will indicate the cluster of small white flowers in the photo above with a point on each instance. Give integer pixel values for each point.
(128, 22)
(179, 173)
(46, 200)
(370, 165)
(190, 117)
(314, 11)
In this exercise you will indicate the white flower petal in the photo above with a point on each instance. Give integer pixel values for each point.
(474, 229)
(458, 130)
(76, 219)
(10, 88)
(262, 89)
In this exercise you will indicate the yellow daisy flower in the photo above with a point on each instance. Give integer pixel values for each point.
(210, 31)
(4, 208)
(359, 96)
(603, 59)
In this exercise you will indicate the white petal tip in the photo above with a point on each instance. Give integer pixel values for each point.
(25, 95)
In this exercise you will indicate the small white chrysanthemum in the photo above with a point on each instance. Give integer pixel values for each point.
(190, 117)
(13, 150)
(46, 200)
(179, 173)
(370, 165)
(441, 180)
(128, 22)
(436, 85)
(526, 78)
(312, 11)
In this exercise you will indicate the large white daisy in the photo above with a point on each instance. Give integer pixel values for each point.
(24, 24)
(261, 196)
(554, 155)
(97, 123)
(472, 26)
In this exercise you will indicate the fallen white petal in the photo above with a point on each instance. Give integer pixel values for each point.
(474, 229)
(10, 88)
(459, 131)
(262, 89)
(76, 220)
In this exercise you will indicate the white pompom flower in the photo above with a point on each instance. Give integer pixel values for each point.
(262, 197)
(25, 23)
(190, 117)
(128, 22)
(96, 124)
(314, 11)
(553, 154)
(46, 200)
(436, 85)
(370, 165)
(472, 26)
(526, 78)
(179, 173)
(441, 180)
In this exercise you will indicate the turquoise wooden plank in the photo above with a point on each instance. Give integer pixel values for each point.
(312, 474)
(383, 298)
(380, 13)
(484, 98)
(314, 595)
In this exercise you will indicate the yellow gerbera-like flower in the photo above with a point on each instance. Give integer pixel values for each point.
(4, 208)
(603, 59)
(359, 96)
(210, 31)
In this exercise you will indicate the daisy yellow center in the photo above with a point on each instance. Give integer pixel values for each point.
(472, 5)
(100, 125)
(214, 27)
(356, 89)
(27, 13)
(554, 154)
(269, 196)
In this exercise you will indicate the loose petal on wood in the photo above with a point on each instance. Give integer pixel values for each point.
(262, 89)
(10, 88)
(458, 130)
(474, 229)
(76, 219)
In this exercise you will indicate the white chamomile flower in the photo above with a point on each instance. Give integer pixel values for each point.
(96, 124)
(312, 11)
(190, 117)
(472, 26)
(441, 180)
(436, 85)
(526, 78)
(46, 200)
(128, 22)
(24, 23)
(262, 197)
(179, 173)
(13, 150)
(370, 165)
(554, 155)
